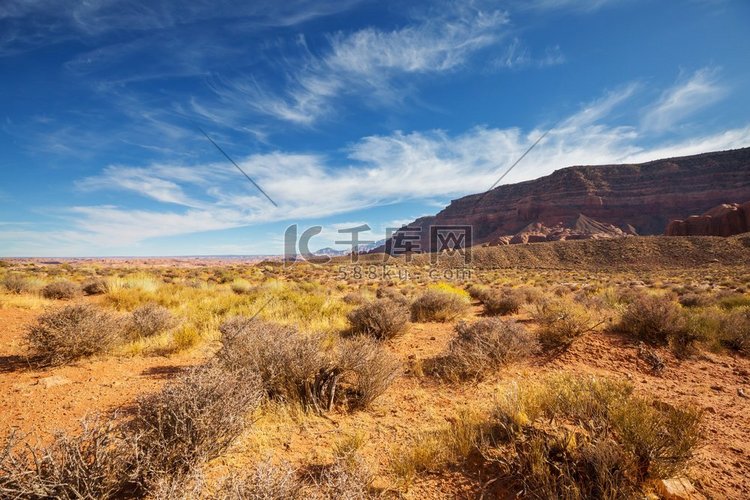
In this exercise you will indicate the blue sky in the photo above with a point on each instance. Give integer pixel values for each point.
(345, 112)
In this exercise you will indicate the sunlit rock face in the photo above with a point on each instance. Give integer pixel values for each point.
(726, 219)
(605, 201)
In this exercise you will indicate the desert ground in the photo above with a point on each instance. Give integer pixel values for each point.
(569, 370)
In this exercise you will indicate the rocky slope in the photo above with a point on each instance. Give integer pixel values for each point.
(605, 201)
(725, 220)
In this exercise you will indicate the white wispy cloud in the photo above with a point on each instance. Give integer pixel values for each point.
(369, 60)
(688, 96)
(374, 171)
(378, 170)
(517, 55)
(36, 23)
(578, 5)
(594, 111)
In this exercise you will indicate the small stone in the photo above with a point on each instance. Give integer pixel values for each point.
(717, 388)
(741, 393)
(53, 381)
(710, 409)
(675, 489)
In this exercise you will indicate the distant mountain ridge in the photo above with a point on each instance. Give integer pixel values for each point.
(363, 248)
(593, 202)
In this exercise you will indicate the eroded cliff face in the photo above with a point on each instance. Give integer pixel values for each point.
(600, 201)
(724, 220)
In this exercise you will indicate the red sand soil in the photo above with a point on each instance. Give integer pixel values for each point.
(710, 382)
(36, 402)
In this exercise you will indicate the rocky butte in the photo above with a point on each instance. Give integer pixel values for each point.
(725, 220)
(584, 202)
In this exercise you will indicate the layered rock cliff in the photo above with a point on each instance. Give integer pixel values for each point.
(599, 201)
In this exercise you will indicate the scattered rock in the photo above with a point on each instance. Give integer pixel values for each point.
(53, 381)
(675, 489)
(741, 393)
(717, 388)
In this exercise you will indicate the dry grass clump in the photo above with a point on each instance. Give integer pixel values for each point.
(501, 302)
(652, 318)
(431, 451)
(72, 332)
(15, 283)
(348, 477)
(194, 418)
(61, 290)
(240, 286)
(561, 321)
(734, 331)
(93, 464)
(366, 369)
(695, 300)
(266, 481)
(734, 300)
(476, 291)
(96, 286)
(581, 437)
(382, 319)
(304, 367)
(659, 320)
(440, 306)
(393, 294)
(481, 347)
(150, 319)
(354, 298)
